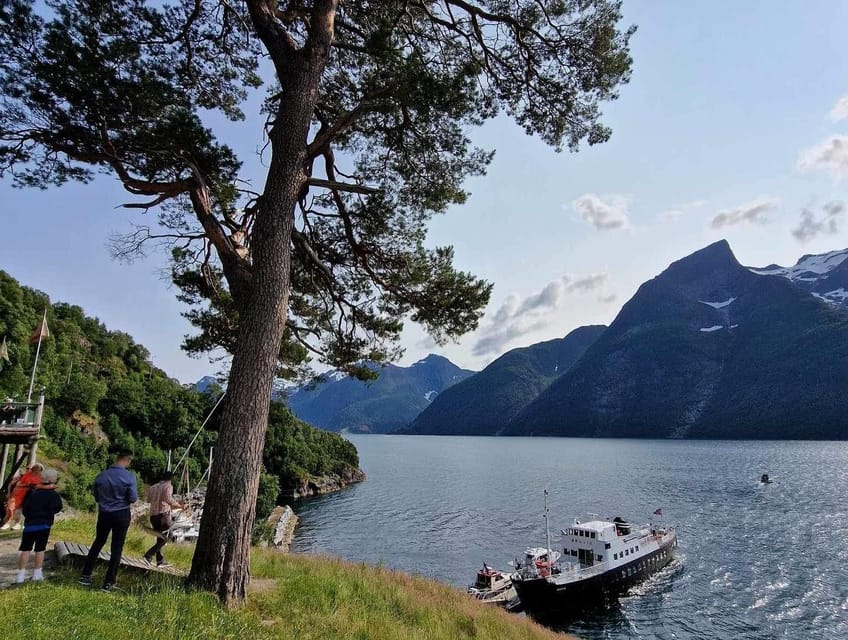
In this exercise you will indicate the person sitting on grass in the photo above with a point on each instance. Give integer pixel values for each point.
(40, 507)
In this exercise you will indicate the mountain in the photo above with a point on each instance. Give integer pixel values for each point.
(824, 275)
(391, 401)
(206, 383)
(707, 349)
(485, 403)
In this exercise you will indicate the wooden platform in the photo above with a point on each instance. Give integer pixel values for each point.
(70, 550)
(18, 434)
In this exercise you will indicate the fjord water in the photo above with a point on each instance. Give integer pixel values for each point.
(755, 561)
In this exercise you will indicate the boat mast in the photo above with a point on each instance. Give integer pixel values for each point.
(548, 534)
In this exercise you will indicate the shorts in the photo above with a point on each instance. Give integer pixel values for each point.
(34, 538)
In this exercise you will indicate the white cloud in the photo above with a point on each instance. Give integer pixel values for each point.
(751, 212)
(840, 110)
(831, 155)
(671, 215)
(603, 212)
(827, 224)
(517, 317)
(674, 214)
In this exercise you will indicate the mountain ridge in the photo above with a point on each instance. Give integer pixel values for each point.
(708, 348)
(484, 403)
(341, 403)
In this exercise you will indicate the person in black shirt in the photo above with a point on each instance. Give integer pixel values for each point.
(40, 506)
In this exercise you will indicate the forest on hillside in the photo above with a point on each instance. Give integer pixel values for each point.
(102, 393)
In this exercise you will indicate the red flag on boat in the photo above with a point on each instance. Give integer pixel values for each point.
(42, 331)
(658, 512)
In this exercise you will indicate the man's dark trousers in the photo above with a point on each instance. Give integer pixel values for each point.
(117, 523)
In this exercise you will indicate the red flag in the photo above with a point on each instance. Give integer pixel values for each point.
(658, 512)
(4, 351)
(42, 331)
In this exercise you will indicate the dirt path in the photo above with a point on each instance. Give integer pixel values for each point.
(9, 560)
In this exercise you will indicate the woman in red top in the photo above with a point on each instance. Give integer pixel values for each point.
(30, 480)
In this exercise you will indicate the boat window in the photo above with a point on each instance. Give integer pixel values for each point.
(600, 558)
(637, 547)
(615, 556)
(607, 545)
(593, 534)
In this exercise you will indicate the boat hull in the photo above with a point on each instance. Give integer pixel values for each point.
(544, 598)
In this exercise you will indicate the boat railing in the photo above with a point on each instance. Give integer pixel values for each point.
(572, 572)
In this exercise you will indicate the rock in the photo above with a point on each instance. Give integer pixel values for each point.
(284, 521)
(320, 485)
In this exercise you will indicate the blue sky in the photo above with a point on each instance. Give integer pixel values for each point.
(730, 128)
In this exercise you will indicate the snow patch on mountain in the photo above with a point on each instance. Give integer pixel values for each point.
(429, 395)
(715, 327)
(808, 269)
(836, 295)
(718, 305)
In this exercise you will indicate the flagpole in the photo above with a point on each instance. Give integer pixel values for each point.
(37, 351)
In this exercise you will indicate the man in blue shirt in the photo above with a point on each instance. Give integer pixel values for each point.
(115, 490)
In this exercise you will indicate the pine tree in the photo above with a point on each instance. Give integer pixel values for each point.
(366, 130)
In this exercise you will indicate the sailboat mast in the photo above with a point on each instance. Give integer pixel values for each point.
(548, 533)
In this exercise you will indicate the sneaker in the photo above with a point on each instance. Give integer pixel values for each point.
(109, 587)
(17, 527)
(164, 563)
(6, 527)
(85, 581)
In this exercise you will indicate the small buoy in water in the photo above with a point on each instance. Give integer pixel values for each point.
(765, 479)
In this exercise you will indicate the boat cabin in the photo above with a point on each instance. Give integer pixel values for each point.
(488, 578)
(588, 543)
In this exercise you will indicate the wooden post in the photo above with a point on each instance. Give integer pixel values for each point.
(3, 462)
(33, 447)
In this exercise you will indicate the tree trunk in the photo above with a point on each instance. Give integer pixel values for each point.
(221, 560)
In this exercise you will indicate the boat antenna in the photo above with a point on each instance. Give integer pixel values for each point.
(548, 534)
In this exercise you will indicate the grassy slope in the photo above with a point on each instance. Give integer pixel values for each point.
(291, 597)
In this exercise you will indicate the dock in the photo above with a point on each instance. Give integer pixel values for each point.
(68, 551)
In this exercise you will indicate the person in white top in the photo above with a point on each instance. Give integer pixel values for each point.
(161, 498)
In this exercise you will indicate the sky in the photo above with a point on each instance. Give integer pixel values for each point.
(734, 125)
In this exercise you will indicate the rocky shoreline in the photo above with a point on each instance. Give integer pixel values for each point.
(284, 521)
(316, 486)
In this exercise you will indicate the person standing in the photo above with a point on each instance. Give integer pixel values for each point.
(29, 480)
(40, 507)
(114, 490)
(161, 499)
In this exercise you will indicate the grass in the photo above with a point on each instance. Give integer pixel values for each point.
(292, 596)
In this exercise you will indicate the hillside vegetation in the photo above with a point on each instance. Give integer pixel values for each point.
(102, 392)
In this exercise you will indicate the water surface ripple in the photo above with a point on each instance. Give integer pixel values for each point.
(755, 561)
